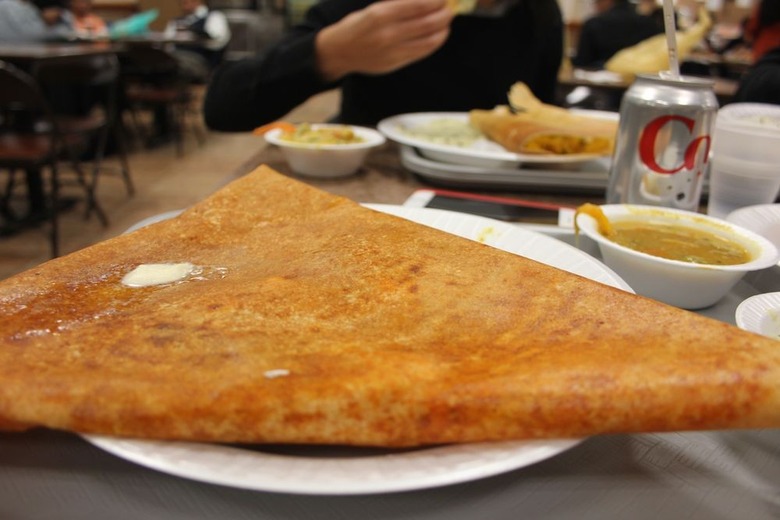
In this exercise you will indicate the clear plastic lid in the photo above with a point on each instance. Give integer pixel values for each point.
(752, 118)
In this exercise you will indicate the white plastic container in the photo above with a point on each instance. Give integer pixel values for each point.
(745, 168)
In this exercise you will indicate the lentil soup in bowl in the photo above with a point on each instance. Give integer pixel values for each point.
(682, 258)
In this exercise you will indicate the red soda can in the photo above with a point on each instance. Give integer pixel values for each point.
(663, 145)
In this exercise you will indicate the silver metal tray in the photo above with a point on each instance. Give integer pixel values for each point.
(580, 177)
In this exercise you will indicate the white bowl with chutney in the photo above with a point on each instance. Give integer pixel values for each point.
(678, 257)
(316, 153)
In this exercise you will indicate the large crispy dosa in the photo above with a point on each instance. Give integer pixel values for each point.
(533, 127)
(391, 334)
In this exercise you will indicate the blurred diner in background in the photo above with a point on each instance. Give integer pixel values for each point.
(239, 65)
(393, 57)
(85, 22)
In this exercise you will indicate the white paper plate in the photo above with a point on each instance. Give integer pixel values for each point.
(483, 152)
(352, 471)
(763, 219)
(760, 314)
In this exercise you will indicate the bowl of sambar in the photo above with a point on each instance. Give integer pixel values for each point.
(682, 258)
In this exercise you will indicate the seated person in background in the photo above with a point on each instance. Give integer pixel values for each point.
(85, 22)
(761, 83)
(22, 21)
(391, 57)
(210, 33)
(56, 15)
(651, 9)
(615, 26)
(762, 30)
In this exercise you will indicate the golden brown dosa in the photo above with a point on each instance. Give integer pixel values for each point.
(378, 331)
(533, 127)
(652, 55)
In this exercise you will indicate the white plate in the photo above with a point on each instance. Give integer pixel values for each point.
(588, 176)
(760, 314)
(353, 471)
(483, 152)
(763, 219)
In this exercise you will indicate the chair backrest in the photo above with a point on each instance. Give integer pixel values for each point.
(146, 62)
(29, 135)
(97, 70)
(75, 84)
(19, 92)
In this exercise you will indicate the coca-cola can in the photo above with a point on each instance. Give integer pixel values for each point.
(663, 145)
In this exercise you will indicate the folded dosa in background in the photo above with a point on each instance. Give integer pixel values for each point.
(652, 55)
(533, 127)
(315, 320)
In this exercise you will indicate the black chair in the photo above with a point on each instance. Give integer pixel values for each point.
(82, 91)
(153, 81)
(30, 141)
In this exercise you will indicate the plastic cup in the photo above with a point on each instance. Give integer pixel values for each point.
(745, 163)
(735, 184)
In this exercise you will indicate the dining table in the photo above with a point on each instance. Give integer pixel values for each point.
(612, 83)
(23, 54)
(705, 475)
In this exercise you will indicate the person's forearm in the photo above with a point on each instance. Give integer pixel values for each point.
(246, 94)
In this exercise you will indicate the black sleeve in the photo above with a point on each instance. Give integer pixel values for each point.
(245, 94)
(549, 24)
(586, 51)
(760, 85)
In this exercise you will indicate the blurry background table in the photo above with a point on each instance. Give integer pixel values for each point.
(568, 79)
(22, 54)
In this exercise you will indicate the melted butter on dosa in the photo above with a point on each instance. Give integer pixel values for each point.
(387, 333)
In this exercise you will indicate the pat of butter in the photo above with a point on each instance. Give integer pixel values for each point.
(146, 275)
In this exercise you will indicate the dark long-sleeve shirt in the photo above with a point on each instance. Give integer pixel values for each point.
(761, 83)
(475, 68)
(605, 34)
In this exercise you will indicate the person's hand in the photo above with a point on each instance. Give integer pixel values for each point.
(383, 37)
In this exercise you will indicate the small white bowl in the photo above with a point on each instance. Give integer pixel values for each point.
(682, 284)
(760, 314)
(327, 160)
(763, 219)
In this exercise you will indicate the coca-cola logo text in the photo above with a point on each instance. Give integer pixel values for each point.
(647, 145)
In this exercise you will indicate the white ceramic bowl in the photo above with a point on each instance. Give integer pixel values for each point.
(327, 160)
(682, 284)
(760, 314)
